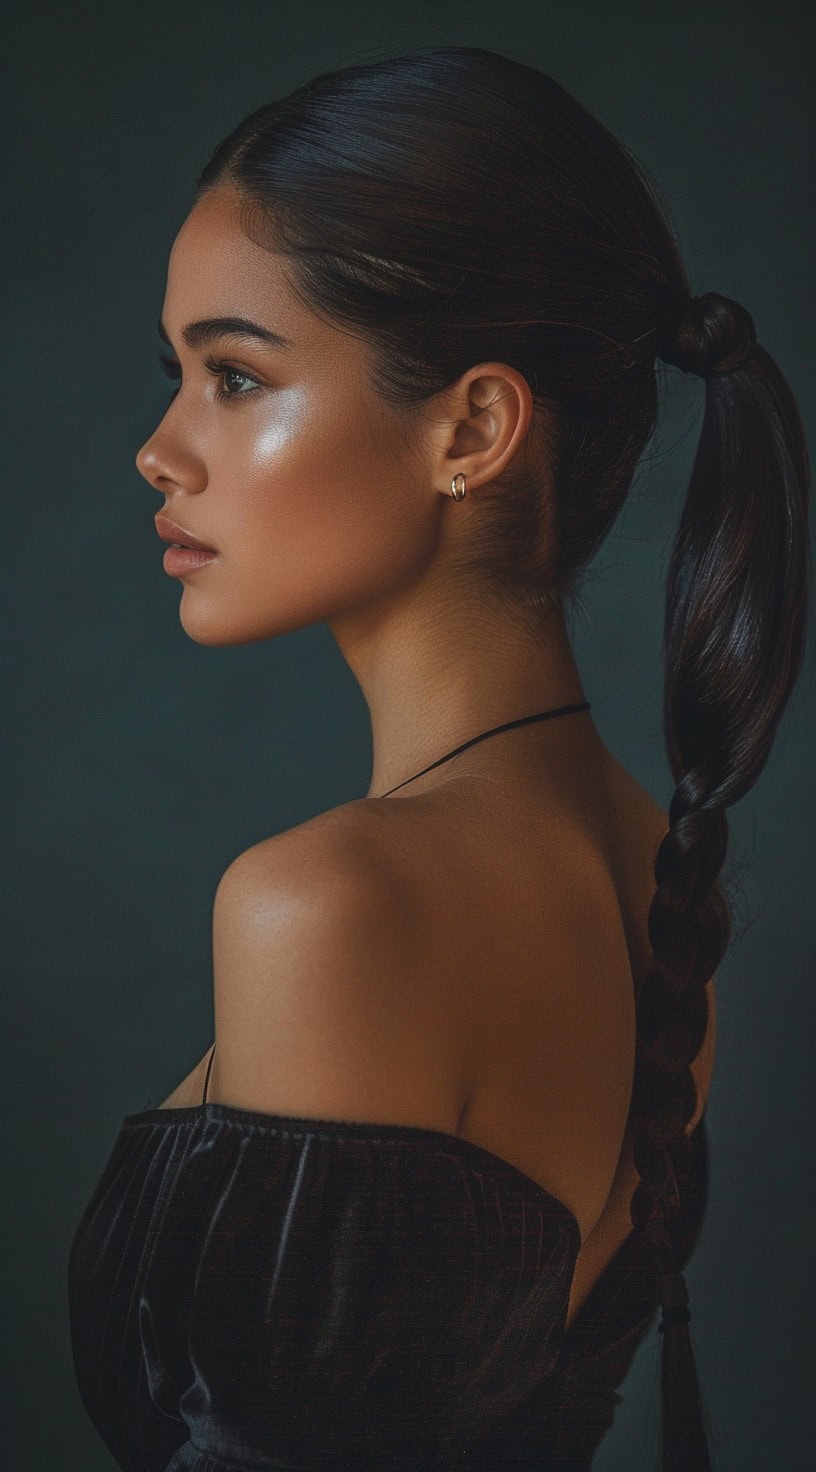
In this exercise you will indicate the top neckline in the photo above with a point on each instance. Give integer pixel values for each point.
(372, 1130)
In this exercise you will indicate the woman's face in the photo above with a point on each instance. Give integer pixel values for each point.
(299, 479)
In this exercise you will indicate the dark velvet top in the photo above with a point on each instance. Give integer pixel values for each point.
(251, 1292)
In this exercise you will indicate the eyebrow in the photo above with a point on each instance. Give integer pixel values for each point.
(200, 334)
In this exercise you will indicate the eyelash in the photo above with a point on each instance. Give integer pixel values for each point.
(173, 370)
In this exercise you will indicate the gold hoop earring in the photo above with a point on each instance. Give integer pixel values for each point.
(458, 493)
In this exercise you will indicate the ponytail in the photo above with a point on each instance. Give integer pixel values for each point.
(734, 640)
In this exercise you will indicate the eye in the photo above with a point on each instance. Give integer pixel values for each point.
(172, 368)
(221, 370)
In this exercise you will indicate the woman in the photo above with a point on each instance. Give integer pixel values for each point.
(446, 1159)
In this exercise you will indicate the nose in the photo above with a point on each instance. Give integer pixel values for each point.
(147, 463)
(167, 468)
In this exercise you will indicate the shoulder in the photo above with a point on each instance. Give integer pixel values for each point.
(319, 1006)
(328, 855)
(326, 881)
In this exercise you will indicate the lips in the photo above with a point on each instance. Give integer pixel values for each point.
(169, 531)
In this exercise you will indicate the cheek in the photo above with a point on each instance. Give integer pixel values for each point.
(322, 512)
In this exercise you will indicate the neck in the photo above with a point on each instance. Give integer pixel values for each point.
(433, 678)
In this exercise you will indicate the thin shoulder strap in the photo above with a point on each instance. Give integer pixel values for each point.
(207, 1076)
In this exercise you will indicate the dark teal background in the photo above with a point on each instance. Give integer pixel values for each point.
(138, 763)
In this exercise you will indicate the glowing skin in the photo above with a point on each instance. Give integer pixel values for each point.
(323, 503)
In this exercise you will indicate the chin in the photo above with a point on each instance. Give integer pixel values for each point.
(218, 627)
(206, 627)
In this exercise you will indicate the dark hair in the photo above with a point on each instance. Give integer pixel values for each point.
(453, 205)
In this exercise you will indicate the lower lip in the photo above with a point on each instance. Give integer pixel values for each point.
(179, 560)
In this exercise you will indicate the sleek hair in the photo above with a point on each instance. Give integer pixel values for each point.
(453, 205)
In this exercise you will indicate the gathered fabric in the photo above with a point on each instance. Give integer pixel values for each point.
(252, 1291)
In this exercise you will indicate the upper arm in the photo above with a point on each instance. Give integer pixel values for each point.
(320, 1010)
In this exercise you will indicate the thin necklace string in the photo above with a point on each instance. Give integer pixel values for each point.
(543, 715)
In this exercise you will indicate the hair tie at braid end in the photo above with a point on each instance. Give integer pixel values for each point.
(679, 1314)
(673, 1295)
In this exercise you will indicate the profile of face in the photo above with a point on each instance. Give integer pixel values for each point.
(284, 459)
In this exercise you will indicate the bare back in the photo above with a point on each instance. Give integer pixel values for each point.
(534, 930)
(537, 928)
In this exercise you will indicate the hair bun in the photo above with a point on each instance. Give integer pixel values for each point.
(713, 336)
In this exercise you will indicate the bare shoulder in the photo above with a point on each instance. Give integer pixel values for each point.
(319, 1005)
(335, 847)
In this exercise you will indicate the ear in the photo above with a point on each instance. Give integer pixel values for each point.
(485, 419)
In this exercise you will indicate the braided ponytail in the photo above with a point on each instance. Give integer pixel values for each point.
(733, 640)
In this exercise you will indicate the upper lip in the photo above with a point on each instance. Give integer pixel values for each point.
(170, 531)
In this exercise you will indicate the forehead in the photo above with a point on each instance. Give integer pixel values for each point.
(215, 270)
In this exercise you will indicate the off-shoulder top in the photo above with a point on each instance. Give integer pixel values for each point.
(250, 1292)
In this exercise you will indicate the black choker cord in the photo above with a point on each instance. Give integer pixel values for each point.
(563, 710)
